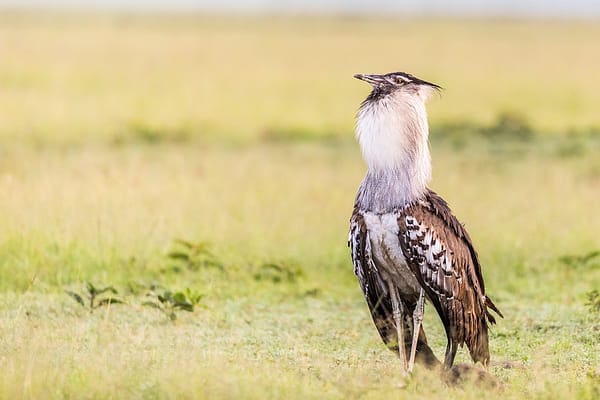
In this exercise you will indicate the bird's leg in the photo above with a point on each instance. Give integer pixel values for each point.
(451, 348)
(417, 319)
(398, 314)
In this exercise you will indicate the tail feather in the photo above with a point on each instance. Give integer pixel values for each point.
(490, 304)
(478, 343)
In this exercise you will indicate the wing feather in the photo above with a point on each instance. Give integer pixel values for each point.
(373, 288)
(440, 253)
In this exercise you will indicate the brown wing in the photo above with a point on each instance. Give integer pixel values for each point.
(441, 255)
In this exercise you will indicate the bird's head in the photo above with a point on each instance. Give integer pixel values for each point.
(392, 127)
(397, 84)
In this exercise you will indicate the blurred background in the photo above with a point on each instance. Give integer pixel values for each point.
(247, 69)
(208, 147)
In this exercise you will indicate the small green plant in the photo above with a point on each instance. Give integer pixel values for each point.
(96, 297)
(277, 273)
(588, 260)
(593, 301)
(140, 287)
(193, 256)
(169, 302)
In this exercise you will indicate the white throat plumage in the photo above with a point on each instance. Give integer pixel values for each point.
(393, 135)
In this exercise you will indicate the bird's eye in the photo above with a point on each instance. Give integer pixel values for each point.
(400, 80)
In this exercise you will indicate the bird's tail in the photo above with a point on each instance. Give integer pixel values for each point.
(478, 342)
(490, 304)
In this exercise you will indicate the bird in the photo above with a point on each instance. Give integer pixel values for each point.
(406, 244)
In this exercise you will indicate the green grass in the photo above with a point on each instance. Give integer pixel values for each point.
(120, 135)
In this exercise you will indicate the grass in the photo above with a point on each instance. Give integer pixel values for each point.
(123, 134)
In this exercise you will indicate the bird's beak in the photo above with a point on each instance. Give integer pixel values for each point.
(371, 79)
(433, 85)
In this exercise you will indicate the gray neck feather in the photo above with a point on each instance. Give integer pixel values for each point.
(393, 134)
(382, 191)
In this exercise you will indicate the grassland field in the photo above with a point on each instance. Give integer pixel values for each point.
(213, 157)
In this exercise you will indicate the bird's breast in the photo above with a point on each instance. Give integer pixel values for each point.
(387, 253)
